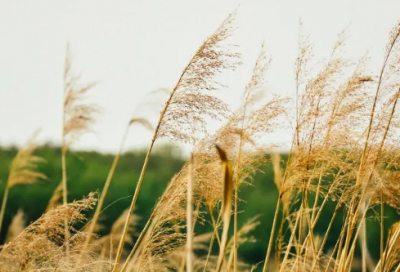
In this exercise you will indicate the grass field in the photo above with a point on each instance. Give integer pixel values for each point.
(341, 172)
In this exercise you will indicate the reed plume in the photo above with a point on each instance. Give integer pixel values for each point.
(190, 101)
(23, 170)
(41, 246)
(78, 117)
(56, 197)
(16, 227)
(343, 163)
(109, 242)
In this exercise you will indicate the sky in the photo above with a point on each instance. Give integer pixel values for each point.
(131, 48)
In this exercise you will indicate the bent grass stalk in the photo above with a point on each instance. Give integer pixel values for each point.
(198, 74)
(103, 195)
(226, 204)
(139, 183)
(355, 170)
(3, 205)
(105, 190)
(23, 171)
(213, 236)
(76, 119)
(189, 219)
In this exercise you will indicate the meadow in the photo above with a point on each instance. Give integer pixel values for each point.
(237, 203)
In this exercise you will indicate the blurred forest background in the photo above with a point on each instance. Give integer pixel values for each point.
(87, 171)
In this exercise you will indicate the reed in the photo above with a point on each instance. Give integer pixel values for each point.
(23, 171)
(343, 162)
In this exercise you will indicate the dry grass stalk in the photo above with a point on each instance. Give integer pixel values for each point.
(226, 204)
(345, 150)
(242, 237)
(78, 117)
(41, 246)
(189, 219)
(16, 227)
(109, 242)
(100, 203)
(23, 171)
(190, 94)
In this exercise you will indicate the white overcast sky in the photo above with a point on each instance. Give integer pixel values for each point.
(133, 47)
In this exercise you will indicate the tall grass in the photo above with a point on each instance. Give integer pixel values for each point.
(344, 151)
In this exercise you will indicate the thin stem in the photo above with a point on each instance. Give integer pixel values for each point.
(105, 190)
(363, 242)
(138, 242)
(235, 226)
(215, 234)
(189, 219)
(146, 160)
(235, 222)
(325, 238)
(390, 248)
(3, 205)
(215, 225)
(382, 238)
(64, 175)
(364, 153)
(289, 246)
(209, 251)
(271, 238)
(65, 199)
(196, 212)
(351, 251)
(132, 207)
(64, 149)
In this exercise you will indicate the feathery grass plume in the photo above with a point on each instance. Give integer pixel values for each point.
(379, 125)
(205, 169)
(237, 137)
(16, 227)
(325, 264)
(353, 159)
(301, 72)
(383, 136)
(174, 258)
(154, 244)
(142, 121)
(226, 203)
(55, 197)
(391, 259)
(323, 134)
(78, 116)
(163, 233)
(338, 148)
(242, 237)
(145, 123)
(165, 227)
(109, 242)
(190, 101)
(247, 128)
(41, 246)
(23, 170)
